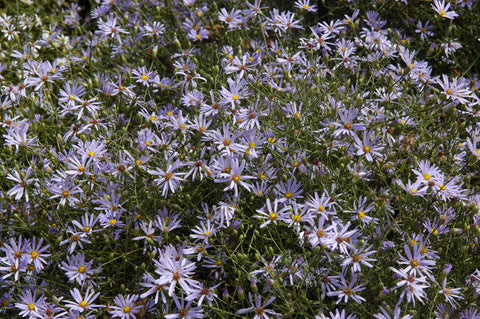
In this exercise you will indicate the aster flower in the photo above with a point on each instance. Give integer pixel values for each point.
(346, 127)
(23, 181)
(414, 188)
(367, 146)
(271, 213)
(396, 314)
(416, 262)
(428, 173)
(36, 254)
(451, 294)
(321, 205)
(77, 269)
(17, 136)
(185, 310)
(82, 304)
(143, 76)
(235, 177)
(168, 179)
(110, 28)
(290, 191)
(202, 293)
(413, 286)
(153, 288)
(204, 231)
(29, 304)
(347, 290)
(173, 272)
(198, 34)
(457, 89)
(236, 92)
(357, 258)
(125, 308)
(65, 190)
(260, 310)
(442, 9)
(341, 237)
(305, 5)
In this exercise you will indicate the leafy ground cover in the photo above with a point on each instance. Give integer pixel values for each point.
(234, 159)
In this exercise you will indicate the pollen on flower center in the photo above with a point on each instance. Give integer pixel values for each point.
(168, 176)
(443, 13)
(259, 311)
(145, 77)
(31, 306)
(127, 309)
(361, 214)
(347, 126)
(34, 254)
(65, 193)
(426, 176)
(273, 216)
(356, 258)
(297, 218)
(236, 178)
(83, 304)
(347, 291)
(176, 276)
(235, 97)
(449, 92)
(366, 149)
(288, 195)
(82, 269)
(414, 263)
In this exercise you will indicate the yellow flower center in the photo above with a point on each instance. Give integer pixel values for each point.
(34, 254)
(236, 178)
(297, 218)
(112, 221)
(144, 77)
(273, 216)
(235, 97)
(289, 195)
(82, 269)
(426, 176)
(83, 304)
(361, 214)
(31, 307)
(127, 309)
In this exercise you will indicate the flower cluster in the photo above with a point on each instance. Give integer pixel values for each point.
(188, 159)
